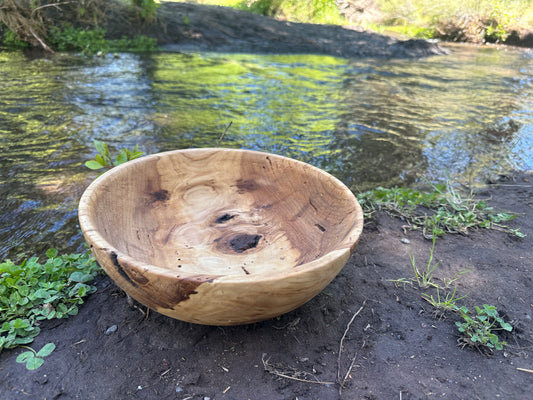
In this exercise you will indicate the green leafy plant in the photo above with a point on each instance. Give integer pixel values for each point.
(87, 41)
(12, 42)
(34, 359)
(104, 159)
(17, 332)
(93, 41)
(32, 291)
(479, 330)
(146, 9)
(438, 211)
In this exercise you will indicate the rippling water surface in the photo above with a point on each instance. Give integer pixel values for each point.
(369, 122)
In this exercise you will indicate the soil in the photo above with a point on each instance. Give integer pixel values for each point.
(393, 343)
(185, 26)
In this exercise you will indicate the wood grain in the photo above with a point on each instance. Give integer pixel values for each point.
(220, 236)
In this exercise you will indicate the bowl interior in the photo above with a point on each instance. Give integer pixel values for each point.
(221, 212)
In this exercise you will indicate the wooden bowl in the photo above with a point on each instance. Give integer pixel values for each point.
(220, 236)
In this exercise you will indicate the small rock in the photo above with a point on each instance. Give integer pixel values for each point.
(41, 380)
(190, 379)
(405, 241)
(112, 329)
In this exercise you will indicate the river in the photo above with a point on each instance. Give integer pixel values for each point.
(370, 122)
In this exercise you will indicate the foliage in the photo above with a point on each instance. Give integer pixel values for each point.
(34, 359)
(147, 9)
(479, 330)
(93, 41)
(50, 24)
(440, 210)
(104, 160)
(30, 20)
(76, 39)
(468, 20)
(311, 11)
(11, 42)
(31, 292)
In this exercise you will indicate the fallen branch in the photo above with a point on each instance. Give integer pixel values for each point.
(43, 44)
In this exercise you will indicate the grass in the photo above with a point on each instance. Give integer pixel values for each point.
(440, 210)
(424, 277)
(445, 303)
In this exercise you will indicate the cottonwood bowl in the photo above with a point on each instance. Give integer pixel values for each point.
(220, 236)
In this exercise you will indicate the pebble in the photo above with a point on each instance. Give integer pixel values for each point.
(405, 241)
(111, 329)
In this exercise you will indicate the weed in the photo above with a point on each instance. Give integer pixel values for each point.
(448, 282)
(424, 277)
(444, 304)
(104, 160)
(34, 359)
(439, 211)
(32, 291)
(479, 330)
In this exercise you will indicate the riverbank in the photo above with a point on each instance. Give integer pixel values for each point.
(187, 26)
(212, 28)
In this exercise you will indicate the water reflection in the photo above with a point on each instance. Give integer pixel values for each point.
(368, 122)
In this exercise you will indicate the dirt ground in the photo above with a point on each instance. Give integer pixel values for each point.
(394, 348)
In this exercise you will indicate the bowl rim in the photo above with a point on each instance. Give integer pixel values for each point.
(97, 240)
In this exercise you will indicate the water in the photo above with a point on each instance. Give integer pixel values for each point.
(369, 122)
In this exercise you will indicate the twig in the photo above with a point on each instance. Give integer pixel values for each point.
(223, 134)
(526, 370)
(271, 369)
(299, 379)
(341, 342)
(55, 5)
(351, 367)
